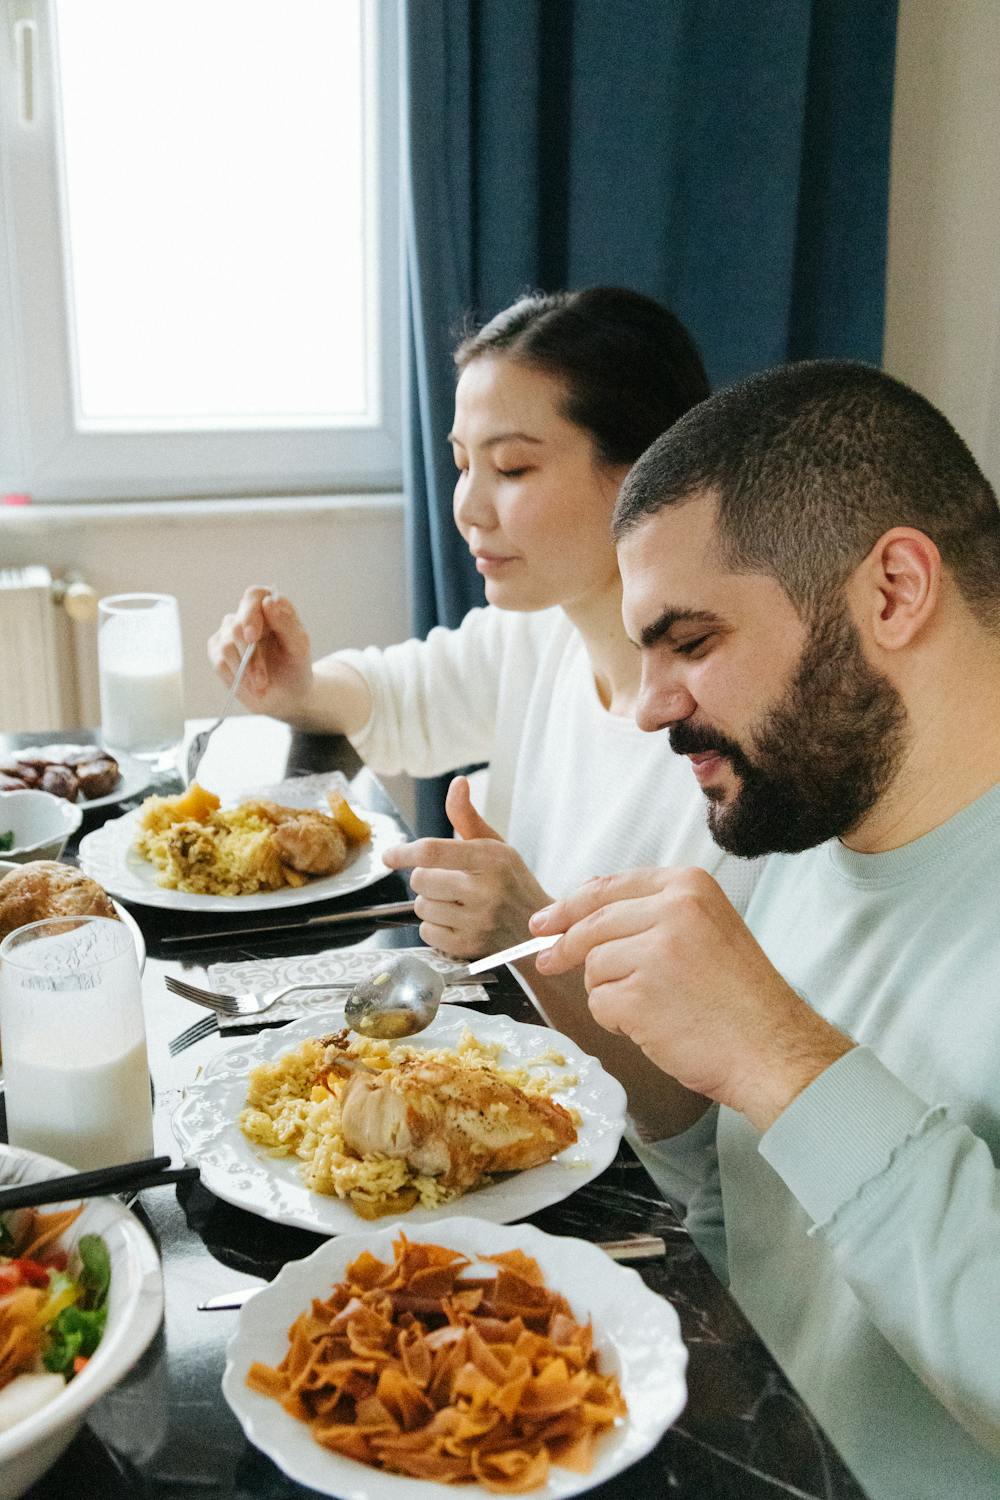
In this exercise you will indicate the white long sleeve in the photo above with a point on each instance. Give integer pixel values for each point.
(577, 791)
(435, 701)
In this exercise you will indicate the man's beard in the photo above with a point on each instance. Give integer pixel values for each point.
(818, 761)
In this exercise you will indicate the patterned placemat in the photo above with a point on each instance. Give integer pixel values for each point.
(334, 963)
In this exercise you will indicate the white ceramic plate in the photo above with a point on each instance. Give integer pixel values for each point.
(133, 777)
(636, 1333)
(241, 1173)
(108, 855)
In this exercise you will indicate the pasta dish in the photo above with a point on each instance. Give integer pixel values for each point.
(422, 1370)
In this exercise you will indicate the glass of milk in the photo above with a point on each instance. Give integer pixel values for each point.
(139, 667)
(74, 1042)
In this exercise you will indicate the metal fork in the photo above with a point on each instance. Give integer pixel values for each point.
(204, 1027)
(199, 744)
(249, 1004)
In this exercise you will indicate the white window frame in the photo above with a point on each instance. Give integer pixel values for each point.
(45, 449)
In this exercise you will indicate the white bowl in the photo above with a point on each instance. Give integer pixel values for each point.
(135, 1310)
(41, 824)
(637, 1336)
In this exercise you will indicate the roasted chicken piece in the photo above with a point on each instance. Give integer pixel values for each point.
(311, 843)
(305, 839)
(458, 1124)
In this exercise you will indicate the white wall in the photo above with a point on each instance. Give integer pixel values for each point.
(943, 286)
(340, 559)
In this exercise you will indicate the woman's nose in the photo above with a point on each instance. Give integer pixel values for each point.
(473, 504)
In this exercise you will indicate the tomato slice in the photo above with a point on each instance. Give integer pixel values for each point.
(33, 1273)
(10, 1277)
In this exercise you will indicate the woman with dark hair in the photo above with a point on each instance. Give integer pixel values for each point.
(557, 397)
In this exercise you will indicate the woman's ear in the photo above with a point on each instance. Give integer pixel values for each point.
(897, 587)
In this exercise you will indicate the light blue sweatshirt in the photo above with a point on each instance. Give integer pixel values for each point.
(863, 1229)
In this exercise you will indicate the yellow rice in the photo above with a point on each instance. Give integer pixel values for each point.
(288, 1116)
(232, 853)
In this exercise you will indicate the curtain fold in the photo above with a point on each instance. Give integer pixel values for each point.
(730, 159)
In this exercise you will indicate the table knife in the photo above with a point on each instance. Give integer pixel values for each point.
(359, 915)
(639, 1247)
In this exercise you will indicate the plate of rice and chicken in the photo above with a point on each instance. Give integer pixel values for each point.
(281, 846)
(310, 1125)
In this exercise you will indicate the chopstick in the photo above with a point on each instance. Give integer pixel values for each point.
(360, 916)
(154, 1171)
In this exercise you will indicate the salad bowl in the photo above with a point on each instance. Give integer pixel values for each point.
(135, 1309)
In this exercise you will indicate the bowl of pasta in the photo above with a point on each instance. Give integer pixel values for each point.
(81, 1297)
(496, 1358)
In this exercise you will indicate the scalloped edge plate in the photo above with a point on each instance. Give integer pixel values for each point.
(241, 1173)
(637, 1335)
(108, 856)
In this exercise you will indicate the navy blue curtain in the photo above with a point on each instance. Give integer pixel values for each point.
(731, 159)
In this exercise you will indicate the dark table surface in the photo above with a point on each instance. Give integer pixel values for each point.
(166, 1433)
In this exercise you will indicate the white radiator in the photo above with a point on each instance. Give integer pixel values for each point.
(38, 656)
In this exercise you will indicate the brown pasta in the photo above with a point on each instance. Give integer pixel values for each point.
(419, 1370)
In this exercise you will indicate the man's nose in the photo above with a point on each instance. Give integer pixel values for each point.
(661, 703)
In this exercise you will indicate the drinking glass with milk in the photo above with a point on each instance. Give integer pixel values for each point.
(139, 662)
(74, 1042)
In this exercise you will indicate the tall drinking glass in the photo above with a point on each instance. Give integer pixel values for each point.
(74, 1042)
(140, 670)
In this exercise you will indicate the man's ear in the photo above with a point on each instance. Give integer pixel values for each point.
(897, 587)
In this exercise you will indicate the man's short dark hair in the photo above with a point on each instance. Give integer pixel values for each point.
(811, 463)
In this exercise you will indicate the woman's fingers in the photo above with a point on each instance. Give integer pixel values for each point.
(249, 623)
(282, 620)
(439, 913)
(442, 885)
(439, 854)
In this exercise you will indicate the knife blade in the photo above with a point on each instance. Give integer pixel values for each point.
(640, 1247)
(359, 915)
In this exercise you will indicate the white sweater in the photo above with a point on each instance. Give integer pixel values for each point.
(576, 790)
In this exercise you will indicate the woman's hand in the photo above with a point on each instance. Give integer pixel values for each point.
(279, 678)
(474, 892)
(669, 963)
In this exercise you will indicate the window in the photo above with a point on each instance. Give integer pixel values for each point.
(199, 280)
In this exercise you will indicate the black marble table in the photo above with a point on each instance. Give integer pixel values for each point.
(166, 1433)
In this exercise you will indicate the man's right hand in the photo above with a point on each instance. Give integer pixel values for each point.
(279, 678)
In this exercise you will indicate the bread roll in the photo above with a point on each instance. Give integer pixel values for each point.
(45, 888)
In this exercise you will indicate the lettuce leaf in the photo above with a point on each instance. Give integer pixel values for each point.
(76, 1332)
(95, 1275)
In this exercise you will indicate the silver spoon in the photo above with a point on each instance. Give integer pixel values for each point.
(402, 996)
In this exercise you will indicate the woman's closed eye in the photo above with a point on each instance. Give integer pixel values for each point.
(515, 473)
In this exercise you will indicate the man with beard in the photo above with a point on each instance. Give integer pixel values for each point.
(811, 565)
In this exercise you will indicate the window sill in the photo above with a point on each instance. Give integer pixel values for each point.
(117, 512)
